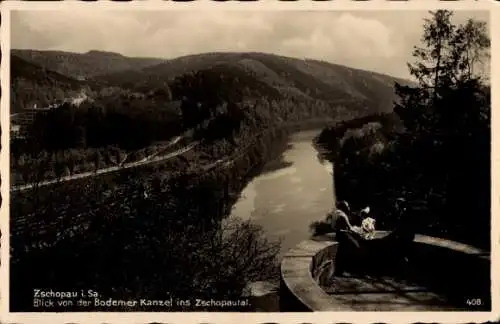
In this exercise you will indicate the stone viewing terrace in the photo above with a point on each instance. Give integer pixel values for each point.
(442, 276)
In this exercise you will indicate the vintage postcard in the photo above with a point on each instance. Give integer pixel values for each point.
(243, 161)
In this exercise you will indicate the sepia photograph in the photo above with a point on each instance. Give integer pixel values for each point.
(249, 161)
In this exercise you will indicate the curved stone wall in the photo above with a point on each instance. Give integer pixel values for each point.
(459, 271)
(301, 268)
(449, 263)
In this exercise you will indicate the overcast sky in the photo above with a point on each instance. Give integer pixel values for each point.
(374, 40)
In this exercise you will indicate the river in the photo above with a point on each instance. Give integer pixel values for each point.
(288, 199)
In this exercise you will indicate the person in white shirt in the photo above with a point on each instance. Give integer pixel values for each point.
(367, 224)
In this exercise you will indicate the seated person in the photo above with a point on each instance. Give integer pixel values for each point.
(367, 228)
(338, 218)
(347, 236)
(341, 221)
(358, 249)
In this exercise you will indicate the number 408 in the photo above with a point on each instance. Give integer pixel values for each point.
(474, 302)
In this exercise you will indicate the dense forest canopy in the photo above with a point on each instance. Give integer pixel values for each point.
(210, 94)
(32, 84)
(439, 161)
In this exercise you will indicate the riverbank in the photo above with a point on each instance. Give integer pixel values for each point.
(290, 193)
(378, 162)
(86, 223)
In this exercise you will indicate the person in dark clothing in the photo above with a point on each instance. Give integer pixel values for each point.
(349, 246)
(360, 252)
(396, 247)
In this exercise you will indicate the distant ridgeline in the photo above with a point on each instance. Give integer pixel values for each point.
(275, 87)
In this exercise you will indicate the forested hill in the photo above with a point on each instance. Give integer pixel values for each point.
(292, 77)
(83, 65)
(298, 79)
(31, 84)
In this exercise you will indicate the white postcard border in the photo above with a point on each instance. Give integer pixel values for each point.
(205, 317)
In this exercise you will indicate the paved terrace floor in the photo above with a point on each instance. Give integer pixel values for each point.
(383, 293)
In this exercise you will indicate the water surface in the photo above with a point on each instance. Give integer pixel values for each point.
(287, 200)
